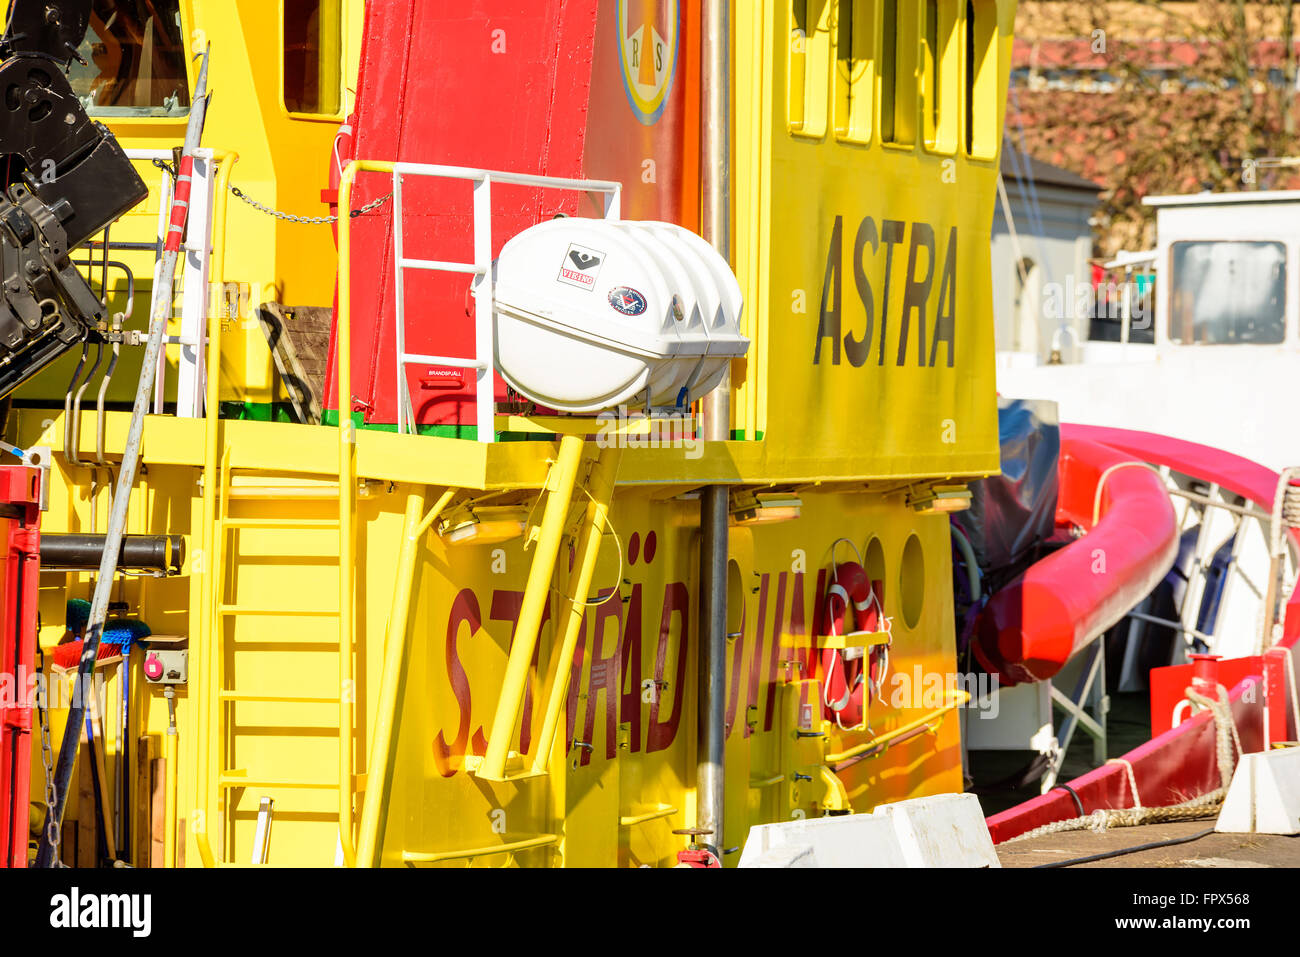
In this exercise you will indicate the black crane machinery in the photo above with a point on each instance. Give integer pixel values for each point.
(63, 178)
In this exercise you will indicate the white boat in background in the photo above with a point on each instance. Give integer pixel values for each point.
(1212, 358)
(1224, 365)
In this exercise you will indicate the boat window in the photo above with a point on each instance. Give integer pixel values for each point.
(981, 79)
(808, 76)
(135, 60)
(313, 56)
(1227, 292)
(898, 51)
(1116, 298)
(855, 58)
(939, 78)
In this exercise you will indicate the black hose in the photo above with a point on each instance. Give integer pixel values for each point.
(1078, 805)
(1130, 850)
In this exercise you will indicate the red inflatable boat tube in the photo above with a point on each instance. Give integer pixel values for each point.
(1031, 627)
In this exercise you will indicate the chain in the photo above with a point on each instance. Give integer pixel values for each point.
(306, 220)
(54, 830)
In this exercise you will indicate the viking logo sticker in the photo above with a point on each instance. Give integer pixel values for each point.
(628, 301)
(581, 266)
(648, 33)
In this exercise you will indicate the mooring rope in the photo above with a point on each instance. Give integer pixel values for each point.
(1207, 805)
(1132, 779)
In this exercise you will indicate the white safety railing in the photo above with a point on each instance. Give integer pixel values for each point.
(482, 363)
(191, 364)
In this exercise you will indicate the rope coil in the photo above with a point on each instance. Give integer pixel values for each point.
(1291, 506)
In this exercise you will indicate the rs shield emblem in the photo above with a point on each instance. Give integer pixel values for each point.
(627, 301)
(648, 35)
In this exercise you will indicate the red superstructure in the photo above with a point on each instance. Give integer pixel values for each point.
(20, 513)
(590, 89)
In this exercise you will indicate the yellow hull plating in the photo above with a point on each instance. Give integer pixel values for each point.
(616, 802)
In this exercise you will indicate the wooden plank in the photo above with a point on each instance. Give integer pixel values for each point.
(158, 811)
(99, 756)
(86, 843)
(142, 823)
(299, 342)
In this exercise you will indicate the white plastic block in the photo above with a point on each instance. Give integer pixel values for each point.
(786, 855)
(1264, 796)
(854, 840)
(945, 830)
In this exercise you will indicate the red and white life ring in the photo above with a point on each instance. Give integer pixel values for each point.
(850, 678)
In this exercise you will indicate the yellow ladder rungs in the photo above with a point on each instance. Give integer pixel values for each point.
(276, 698)
(236, 779)
(512, 847)
(272, 612)
(281, 492)
(287, 524)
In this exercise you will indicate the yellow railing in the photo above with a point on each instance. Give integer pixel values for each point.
(347, 496)
(383, 748)
(513, 847)
(600, 491)
(204, 710)
(956, 699)
(645, 817)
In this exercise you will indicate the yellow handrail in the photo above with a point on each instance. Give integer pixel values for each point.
(374, 810)
(347, 496)
(601, 489)
(956, 699)
(559, 493)
(632, 820)
(541, 840)
(226, 161)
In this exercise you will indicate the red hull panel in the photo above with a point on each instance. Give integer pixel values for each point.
(1178, 765)
(19, 578)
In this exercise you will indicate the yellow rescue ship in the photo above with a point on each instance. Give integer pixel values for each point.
(596, 638)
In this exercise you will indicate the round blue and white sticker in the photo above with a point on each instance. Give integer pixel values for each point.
(627, 301)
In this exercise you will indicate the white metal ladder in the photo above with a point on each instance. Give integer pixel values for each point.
(481, 268)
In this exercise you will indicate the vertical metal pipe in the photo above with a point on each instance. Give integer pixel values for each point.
(715, 175)
(715, 181)
(710, 783)
(171, 774)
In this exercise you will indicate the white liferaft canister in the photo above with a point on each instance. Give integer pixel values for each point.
(592, 314)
